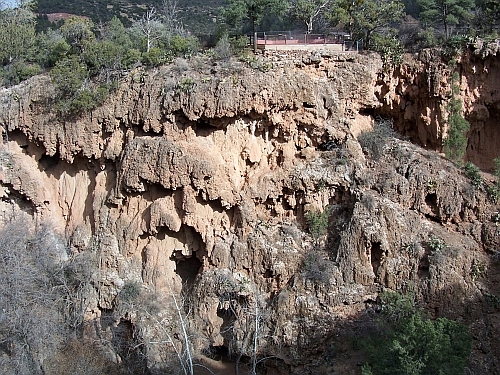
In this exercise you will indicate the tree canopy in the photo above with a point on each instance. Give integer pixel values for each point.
(308, 11)
(448, 13)
(17, 33)
(238, 12)
(365, 17)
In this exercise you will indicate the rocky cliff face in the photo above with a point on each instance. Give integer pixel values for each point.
(417, 92)
(196, 178)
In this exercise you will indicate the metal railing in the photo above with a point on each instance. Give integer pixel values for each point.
(289, 38)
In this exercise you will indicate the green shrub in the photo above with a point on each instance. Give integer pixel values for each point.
(455, 45)
(317, 222)
(184, 46)
(455, 143)
(496, 163)
(390, 48)
(494, 191)
(186, 84)
(68, 75)
(436, 244)
(87, 99)
(415, 344)
(102, 54)
(52, 48)
(154, 57)
(131, 57)
(239, 43)
(426, 38)
(18, 71)
(472, 172)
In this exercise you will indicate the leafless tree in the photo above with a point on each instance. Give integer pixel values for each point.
(162, 328)
(151, 27)
(170, 11)
(40, 306)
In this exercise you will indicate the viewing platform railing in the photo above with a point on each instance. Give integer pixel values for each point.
(287, 38)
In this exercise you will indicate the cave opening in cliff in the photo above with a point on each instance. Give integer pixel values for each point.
(203, 128)
(376, 254)
(187, 268)
(431, 200)
(217, 353)
(47, 162)
(423, 268)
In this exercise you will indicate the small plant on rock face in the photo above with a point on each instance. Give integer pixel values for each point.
(317, 222)
(186, 84)
(130, 291)
(472, 172)
(494, 191)
(455, 144)
(436, 244)
(478, 269)
(432, 185)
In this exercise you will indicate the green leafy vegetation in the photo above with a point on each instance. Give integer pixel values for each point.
(409, 343)
(367, 18)
(436, 244)
(390, 48)
(446, 13)
(309, 11)
(472, 172)
(317, 222)
(85, 60)
(494, 190)
(455, 143)
(239, 12)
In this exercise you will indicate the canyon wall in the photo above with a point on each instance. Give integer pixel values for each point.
(196, 179)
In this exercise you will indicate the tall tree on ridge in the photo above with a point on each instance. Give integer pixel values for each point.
(237, 12)
(448, 13)
(363, 18)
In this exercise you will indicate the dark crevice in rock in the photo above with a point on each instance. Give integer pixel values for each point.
(431, 200)
(187, 269)
(21, 200)
(376, 255)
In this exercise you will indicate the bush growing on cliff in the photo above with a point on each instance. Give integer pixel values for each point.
(455, 143)
(472, 172)
(390, 48)
(494, 191)
(414, 344)
(317, 222)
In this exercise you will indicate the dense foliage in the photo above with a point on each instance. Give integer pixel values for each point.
(30, 44)
(86, 59)
(409, 343)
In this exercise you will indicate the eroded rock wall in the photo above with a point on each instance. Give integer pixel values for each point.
(417, 92)
(196, 178)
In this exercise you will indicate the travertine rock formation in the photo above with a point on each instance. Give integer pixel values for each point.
(196, 178)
